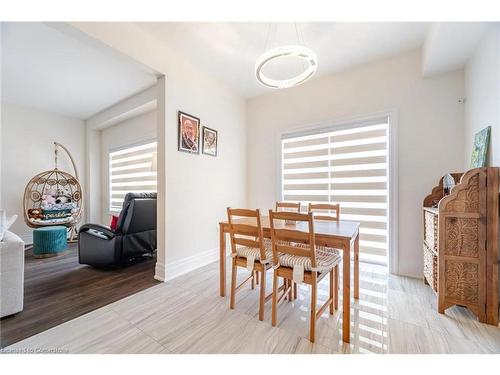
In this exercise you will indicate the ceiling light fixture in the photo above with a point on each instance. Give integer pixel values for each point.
(275, 54)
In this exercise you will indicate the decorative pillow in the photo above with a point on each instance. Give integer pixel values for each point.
(55, 214)
(5, 222)
(60, 206)
(114, 222)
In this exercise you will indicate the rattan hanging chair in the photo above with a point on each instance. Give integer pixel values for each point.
(54, 198)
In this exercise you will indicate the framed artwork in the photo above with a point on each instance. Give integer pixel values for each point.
(189, 133)
(480, 148)
(209, 141)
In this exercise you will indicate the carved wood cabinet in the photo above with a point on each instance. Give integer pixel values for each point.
(460, 244)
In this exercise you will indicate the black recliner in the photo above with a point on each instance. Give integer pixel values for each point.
(135, 234)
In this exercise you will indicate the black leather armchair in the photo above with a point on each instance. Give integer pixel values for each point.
(135, 234)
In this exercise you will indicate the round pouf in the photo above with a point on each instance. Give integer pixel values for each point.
(49, 241)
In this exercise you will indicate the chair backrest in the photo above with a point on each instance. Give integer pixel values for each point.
(288, 206)
(325, 211)
(138, 213)
(283, 235)
(245, 229)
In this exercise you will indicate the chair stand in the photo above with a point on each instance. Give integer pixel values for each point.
(312, 279)
(259, 270)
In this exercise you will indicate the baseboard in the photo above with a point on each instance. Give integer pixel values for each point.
(412, 276)
(27, 238)
(159, 272)
(182, 266)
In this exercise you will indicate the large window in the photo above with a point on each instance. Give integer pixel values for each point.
(131, 170)
(347, 166)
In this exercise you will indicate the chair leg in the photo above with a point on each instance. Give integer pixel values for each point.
(295, 290)
(312, 322)
(336, 286)
(275, 299)
(290, 292)
(256, 277)
(262, 303)
(234, 274)
(332, 303)
(253, 279)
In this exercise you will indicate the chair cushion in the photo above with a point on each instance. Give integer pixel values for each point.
(245, 251)
(326, 259)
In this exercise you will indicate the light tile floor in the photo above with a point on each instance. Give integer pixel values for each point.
(186, 315)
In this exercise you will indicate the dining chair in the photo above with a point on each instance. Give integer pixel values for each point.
(323, 211)
(296, 257)
(288, 206)
(250, 250)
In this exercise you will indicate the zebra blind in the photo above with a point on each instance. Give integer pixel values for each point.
(131, 170)
(348, 167)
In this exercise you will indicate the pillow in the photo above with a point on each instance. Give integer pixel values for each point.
(55, 214)
(114, 222)
(5, 222)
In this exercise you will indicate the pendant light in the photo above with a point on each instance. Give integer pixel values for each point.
(308, 57)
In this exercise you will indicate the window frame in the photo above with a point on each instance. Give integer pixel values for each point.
(348, 123)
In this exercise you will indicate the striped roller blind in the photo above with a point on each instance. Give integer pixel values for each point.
(348, 167)
(131, 170)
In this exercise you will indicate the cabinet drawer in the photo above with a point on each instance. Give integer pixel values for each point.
(430, 267)
(430, 230)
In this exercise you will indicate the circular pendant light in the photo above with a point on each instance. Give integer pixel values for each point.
(275, 54)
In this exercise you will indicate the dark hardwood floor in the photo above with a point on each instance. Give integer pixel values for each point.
(60, 289)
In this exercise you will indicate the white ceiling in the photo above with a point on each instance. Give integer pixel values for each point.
(51, 70)
(229, 50)
(449, 45)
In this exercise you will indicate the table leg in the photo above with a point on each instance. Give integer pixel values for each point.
(346, 298)
(222, 261)
(356, 267)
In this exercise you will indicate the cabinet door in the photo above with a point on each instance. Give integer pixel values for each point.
(462, 245)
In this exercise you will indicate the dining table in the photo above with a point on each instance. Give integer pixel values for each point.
(342, 235)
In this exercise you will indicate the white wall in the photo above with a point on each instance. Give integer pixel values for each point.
(198, 187)
(482, 92)
(136, 105)
(27, 149)
(430, 132)
(135, 130)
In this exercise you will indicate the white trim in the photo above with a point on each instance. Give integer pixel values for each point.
(346, 122)
(159, 271)
(393, 194)
(185, 265)
(161, 178)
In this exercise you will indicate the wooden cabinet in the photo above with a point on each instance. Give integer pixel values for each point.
(461, 243)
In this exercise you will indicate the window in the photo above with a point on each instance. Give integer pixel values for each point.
(348, 166)
(131, 170)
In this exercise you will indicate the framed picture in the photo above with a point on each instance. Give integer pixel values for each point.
(480, 148)
(189, 133)
(209, 141)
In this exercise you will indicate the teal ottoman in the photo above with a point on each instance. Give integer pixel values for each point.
(49, 241)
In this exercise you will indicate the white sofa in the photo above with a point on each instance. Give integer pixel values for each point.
(11, 274)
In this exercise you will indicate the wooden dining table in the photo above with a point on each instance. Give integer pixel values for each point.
(342, 235)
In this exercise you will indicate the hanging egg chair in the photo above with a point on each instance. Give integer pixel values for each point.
(54, 198)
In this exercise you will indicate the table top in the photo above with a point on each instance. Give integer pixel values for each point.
(341, 228)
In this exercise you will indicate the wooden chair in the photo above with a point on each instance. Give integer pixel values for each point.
(249, 250)
(321, 208)
(288, 206)
(297, 258)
